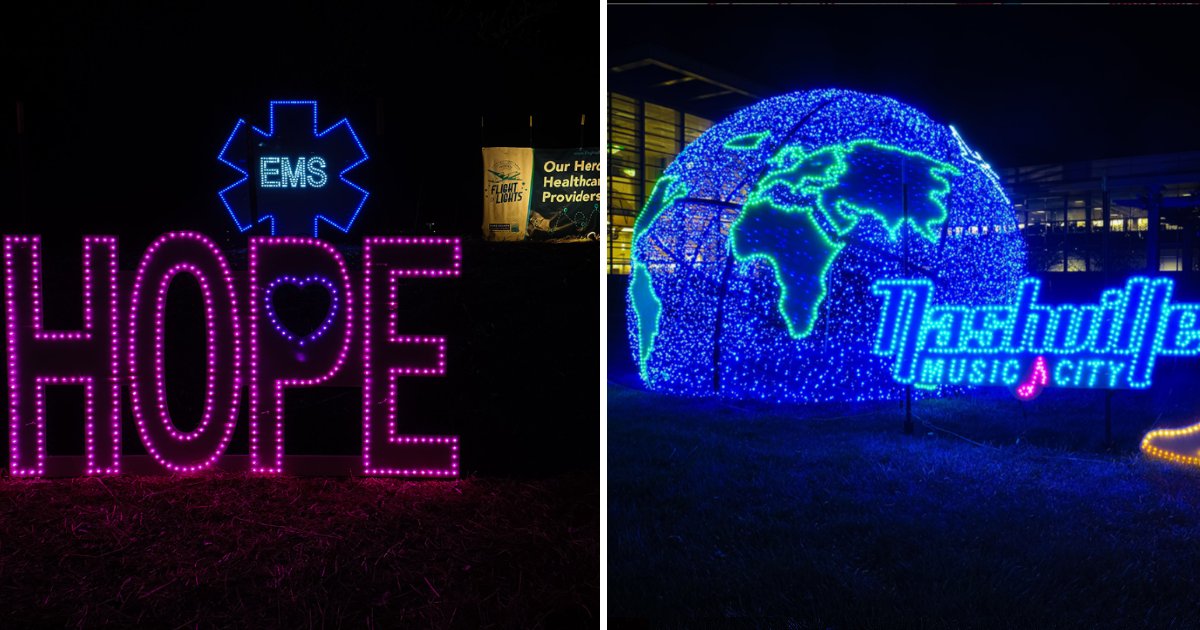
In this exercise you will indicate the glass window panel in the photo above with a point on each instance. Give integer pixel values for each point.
(1170, 260)
(693, 126)
(665, 114)
(621, 103)
(623, 141)
(662, 129)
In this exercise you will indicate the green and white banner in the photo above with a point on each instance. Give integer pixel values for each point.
(541, 194)
(566, 194)
(506, 177)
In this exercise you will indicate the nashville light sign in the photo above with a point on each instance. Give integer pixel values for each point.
(248, 349)
(1110, 344)
(1027, 346)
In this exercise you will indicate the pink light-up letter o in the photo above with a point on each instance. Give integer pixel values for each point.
(37, 357)
(280, 358)
(388, 355)
(194, 254)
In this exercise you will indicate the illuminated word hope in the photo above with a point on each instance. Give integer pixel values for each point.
(1110, 344)
(277, 172)
(246, 348)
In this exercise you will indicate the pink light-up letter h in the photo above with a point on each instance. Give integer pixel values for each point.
(37, 357)
(388, 355)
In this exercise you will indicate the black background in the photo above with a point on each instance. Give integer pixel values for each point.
(116, 113)
(1024, 84)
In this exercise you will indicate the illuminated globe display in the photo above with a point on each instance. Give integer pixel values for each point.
(754, 256)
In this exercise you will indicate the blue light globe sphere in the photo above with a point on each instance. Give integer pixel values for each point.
(754, 256)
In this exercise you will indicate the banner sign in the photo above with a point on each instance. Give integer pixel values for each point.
(506, 179)
(566, 194)
(1110, 344)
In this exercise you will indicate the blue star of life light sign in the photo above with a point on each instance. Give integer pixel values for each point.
(292, 175)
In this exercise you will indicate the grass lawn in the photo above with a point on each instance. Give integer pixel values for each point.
(226, 550)
(995, 514)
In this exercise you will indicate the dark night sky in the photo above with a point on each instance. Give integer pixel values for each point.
(144, 94)
(1025, 85)
(126, 106)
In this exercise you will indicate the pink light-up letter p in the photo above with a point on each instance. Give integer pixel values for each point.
(280, 358)
(37, 357)
(388, 355)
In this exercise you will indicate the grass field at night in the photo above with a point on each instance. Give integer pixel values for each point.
(994, 514)
(226, 550)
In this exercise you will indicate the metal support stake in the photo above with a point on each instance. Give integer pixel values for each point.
(1108, 438)
(908, 421)
(905, 228)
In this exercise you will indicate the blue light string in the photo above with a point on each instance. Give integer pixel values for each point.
(319, 217)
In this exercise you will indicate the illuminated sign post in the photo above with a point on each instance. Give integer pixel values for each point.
(1028, 346)
(293, 175)
(1111, 344)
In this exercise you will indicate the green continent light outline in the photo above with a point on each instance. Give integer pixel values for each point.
(667, 190)
(646, 305)
(814, 173)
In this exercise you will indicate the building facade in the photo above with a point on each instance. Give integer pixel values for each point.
(643, 139)
(655, 109)
(1123, 216)
(1117, 216)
